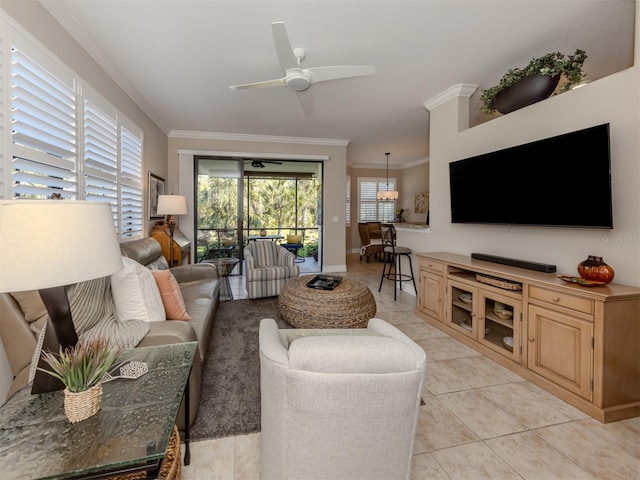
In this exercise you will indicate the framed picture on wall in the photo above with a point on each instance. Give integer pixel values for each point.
(156, 188)
(422, 202)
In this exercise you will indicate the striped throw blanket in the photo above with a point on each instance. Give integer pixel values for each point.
(94, 316)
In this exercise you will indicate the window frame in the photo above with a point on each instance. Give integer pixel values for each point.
(103, 155)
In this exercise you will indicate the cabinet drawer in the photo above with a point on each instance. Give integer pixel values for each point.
(431, 265)
(564, 300)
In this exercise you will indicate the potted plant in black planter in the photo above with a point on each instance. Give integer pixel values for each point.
(520, 87)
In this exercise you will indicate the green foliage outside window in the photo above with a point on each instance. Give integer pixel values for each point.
(278, 205)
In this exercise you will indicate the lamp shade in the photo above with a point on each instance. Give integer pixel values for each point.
(172, 205)
(387, 195)
(51, 243)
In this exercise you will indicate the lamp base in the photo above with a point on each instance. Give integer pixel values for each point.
(60, 333)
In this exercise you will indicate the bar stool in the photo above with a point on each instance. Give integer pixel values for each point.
(392, 258)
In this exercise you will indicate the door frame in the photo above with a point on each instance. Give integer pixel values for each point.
(188, 182)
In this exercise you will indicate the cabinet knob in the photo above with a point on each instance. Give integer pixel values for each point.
(555, 299)
(531, 339)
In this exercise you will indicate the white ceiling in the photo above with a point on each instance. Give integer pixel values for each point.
(177, 59)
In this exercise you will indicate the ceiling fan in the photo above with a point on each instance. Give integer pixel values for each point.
(260, 163)
(296, 78)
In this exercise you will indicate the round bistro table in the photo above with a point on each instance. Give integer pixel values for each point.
(350, 305)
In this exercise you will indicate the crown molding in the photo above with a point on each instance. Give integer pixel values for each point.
(392, 166)
(459, 90)
(256, 155)
(243, 137)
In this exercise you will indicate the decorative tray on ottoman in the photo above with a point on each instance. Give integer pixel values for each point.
(324, 282)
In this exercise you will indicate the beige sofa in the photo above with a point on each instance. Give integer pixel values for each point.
(200, 288)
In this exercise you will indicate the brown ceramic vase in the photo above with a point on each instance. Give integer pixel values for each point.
(594, 268)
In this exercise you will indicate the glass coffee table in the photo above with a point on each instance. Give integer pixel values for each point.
(129, 433)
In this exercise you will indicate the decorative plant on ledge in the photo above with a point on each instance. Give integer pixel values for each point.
(552, 65)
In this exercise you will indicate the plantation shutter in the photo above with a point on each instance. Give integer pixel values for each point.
(100, 155)
(370, 209)
(130, 182)
(368, 203)
(347, 203)
(44, 130)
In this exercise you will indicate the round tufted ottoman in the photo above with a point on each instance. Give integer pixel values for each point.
(349, 305)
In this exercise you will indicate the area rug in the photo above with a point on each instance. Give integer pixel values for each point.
(230, 395)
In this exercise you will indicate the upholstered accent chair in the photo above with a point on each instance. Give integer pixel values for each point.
(338, 403)
(268, 266)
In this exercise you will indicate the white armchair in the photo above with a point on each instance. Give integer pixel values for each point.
(268, 266)
(338, 403)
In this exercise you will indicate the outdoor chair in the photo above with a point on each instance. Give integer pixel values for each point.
(295, 242)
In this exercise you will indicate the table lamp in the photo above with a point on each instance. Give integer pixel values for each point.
(171, 205)
(46, 245)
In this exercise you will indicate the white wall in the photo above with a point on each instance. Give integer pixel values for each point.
(614, 99)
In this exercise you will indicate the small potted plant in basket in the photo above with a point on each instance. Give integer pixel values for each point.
(538, 80)
(81, 369)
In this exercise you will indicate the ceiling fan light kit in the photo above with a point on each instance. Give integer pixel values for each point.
(387, 195)
(296, 78)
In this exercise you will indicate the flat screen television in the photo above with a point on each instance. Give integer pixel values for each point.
(562, 181)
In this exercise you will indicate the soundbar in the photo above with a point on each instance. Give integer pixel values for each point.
(514, 262)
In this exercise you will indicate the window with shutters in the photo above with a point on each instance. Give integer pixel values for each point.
(347, 202)
(70, 143)
(370, 209)
(44, 126)
(130, 181)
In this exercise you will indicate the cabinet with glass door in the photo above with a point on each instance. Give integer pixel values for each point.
(461, 312)
(500, 320)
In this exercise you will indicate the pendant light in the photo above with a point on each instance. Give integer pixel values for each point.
(387, 195)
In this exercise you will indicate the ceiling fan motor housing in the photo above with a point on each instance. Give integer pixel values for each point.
(297, 81)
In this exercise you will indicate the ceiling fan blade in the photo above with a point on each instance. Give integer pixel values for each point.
(278, 82)
(306, 101)
(283, 46)
(322, 74)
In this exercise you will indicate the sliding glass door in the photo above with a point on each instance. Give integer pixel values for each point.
(241, 200)
(219, 229)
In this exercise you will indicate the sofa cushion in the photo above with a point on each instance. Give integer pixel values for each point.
(146, 251)
(174, 305)
(136, 294)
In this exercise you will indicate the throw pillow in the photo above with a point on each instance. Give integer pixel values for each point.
(171, 295)
(294, 238)
(30, 304)
(136, 293)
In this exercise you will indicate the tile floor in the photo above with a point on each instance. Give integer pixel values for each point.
(480, 421)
